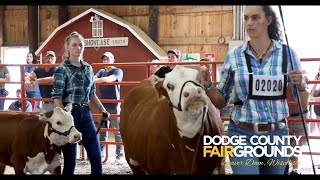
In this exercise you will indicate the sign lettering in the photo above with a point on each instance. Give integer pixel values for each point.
(106, 42)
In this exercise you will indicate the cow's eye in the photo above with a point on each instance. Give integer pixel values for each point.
(59, 122)
(170, 86)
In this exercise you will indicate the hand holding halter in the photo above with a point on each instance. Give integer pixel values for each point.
(105, 116)
(201, 81)
(204, 78)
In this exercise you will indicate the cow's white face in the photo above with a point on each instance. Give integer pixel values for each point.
(193, 99)
(62, 122)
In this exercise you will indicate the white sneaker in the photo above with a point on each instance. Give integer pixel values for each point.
(119, 160)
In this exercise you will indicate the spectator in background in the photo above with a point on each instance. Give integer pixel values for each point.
(110, 74)
(32, 93)
(173, 56)
(154, 68)
(315, 96)
(17, 105)
(297, 129)
(43, 75)
(4, 76)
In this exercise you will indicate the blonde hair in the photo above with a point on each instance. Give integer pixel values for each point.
(76, 35)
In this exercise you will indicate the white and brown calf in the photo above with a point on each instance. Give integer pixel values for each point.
(32, 143)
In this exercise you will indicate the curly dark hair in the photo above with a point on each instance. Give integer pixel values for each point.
(274, 31)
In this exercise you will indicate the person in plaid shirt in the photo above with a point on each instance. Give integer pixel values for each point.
(73, 83)
(259, 70)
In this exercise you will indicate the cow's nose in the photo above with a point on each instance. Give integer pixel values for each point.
(77, 137)
(194, 92)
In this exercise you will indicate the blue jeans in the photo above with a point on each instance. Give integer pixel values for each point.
(234, 130)
(84, 123)
(112, 123)
(2, 102)
(34, 94)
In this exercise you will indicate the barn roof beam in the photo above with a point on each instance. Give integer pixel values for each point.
(62, 14)
(153, 23)
(1, 24)
(33, 27)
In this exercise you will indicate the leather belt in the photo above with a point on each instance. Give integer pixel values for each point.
(76, 104)
(262, 127)
(80, 104)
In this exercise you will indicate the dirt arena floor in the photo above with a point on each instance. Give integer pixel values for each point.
(112, 167)
(83, 166)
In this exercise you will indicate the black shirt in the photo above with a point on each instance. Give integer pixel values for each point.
(45, 90)
(162, 71)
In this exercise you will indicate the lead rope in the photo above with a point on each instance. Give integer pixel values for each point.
(201, 134)
(297, 92)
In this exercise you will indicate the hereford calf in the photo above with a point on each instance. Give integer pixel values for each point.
(32, 143)
(163, 122)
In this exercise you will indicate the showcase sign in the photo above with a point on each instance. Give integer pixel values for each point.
(106, 42)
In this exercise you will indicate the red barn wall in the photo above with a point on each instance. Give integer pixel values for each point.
(134, 52)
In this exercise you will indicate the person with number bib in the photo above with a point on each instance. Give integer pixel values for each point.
(259, 71)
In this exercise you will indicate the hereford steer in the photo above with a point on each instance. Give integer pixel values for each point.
(32, 143)
(163, 122)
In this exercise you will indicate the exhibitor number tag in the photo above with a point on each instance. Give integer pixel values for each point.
(263, 85)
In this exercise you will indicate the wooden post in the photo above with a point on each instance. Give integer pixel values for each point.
(1, 24)
(153, 23)
(1, 30)
(33, 24)
(62, 14)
